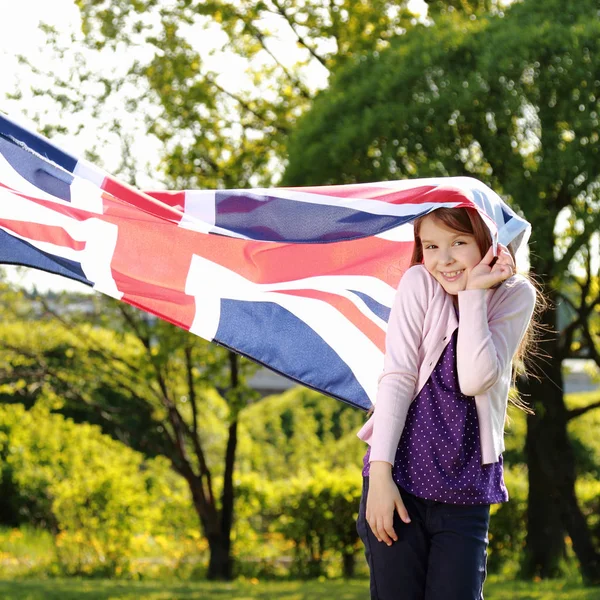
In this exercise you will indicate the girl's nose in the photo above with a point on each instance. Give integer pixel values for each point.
(446, 258)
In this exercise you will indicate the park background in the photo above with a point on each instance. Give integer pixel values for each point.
(134, 456)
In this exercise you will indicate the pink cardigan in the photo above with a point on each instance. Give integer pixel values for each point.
(422, 321)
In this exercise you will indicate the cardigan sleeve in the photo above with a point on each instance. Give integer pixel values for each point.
(398, 381)
(486, 342)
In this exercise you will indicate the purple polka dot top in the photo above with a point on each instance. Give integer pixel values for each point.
(439, 454)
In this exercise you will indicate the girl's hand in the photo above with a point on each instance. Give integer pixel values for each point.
(488, 272)
(383, 499)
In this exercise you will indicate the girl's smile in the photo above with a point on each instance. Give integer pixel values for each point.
(453, 275)
(448, 255)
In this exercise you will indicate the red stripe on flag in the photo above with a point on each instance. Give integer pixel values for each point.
(273, 262)
(173, 199)
(367, 192)
(169, 304)
(349, 310)
(43, 233)
(421, 194)
(141, 200)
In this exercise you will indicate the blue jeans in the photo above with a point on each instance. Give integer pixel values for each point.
(440, 555)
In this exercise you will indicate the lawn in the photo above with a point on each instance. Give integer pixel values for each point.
(73, 589)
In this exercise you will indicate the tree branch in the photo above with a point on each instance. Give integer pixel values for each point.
(584, 238)
(144, 338)
(261, 38)
(567, 337)
(577, 412)
(594, 353)
(299, 37)
(70, 326)
(283, 129)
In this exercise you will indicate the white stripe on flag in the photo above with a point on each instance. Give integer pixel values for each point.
(100, 238)
(210, 282)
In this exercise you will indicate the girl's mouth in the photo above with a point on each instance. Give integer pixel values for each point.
(452, 275)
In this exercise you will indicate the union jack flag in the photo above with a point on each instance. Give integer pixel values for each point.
(300, 280)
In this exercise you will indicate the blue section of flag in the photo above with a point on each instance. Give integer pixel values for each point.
(19, 252)
(13, 131)
(46, 177)
(292, 347)
(273, 219)
(382, 311)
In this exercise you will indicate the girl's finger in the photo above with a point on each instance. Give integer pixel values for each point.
(382, 533)
(402, 512)
(389, 530)
(489, 256)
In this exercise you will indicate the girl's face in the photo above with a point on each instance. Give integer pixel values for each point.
(448, 254)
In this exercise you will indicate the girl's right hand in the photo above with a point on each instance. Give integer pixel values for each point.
(383, 499)
(491, 271)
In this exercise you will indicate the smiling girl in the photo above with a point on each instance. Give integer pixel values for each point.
(434, 465)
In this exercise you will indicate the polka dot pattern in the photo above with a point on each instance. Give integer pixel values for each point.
(439, 454)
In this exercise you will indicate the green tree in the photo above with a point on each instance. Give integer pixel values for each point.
(513, 100)
(155, 388)
(212, 132)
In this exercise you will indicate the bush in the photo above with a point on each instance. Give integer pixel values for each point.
(102, 500)
(318, 512)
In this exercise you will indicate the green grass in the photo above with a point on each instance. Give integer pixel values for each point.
(74, 589)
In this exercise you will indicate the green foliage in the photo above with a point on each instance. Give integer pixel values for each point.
(297, 431)
(301, 524)
(319, 514)
(25, 551)
(508, 524)
(512, 100)
(98, 497)
(213, 129)
(109, 378)
(146, 383)
(584, 433)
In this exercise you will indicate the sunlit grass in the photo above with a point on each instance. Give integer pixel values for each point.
(357, 589)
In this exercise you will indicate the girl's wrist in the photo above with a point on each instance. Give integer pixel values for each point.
(380, 468)
(471, 288)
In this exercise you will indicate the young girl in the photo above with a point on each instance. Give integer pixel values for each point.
(434, 464)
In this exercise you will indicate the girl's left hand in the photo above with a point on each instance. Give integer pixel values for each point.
(484, 276)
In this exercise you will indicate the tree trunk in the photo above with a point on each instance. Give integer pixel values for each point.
(545, 546)
(552, 507)
(220, 565)
(348, 558)
(217, 524)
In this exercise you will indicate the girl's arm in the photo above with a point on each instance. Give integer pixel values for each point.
(486, 342)
(401, 363)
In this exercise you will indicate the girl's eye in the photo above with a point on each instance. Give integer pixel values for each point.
(459, 242)
(430, 247)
